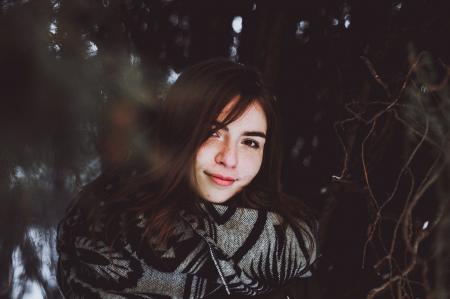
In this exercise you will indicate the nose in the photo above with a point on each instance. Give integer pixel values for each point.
(227, 156)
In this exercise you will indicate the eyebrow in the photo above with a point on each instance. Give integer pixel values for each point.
(254, 133)
(246, 133)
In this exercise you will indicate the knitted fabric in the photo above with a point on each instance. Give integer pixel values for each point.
(244, 251)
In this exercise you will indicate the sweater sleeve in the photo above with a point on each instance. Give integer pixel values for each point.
(252, 252)
(88, 267)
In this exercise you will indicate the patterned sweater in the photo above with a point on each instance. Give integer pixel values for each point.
(230, 250)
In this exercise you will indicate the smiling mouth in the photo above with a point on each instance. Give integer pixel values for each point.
(220, 180)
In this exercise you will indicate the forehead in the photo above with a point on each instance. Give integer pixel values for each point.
(253, 117)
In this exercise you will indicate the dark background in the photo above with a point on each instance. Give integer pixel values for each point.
(362, 87)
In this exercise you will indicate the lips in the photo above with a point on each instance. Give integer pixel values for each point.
(221, 180)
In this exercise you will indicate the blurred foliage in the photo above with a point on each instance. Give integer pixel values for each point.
(80, 79)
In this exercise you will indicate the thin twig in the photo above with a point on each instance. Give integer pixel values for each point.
(376, 76)
(372, 226)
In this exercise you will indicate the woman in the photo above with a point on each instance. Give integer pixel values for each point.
(204, 216)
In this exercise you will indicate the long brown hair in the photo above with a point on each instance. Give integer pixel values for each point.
(191, 106)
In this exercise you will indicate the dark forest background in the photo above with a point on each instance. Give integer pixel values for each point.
(362, 87)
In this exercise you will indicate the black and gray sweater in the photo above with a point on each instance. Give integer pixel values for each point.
(231, 250)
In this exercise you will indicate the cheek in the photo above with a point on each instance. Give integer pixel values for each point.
(204, 155)
(251, 164)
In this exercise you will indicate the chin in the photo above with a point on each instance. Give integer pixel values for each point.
(218, 199)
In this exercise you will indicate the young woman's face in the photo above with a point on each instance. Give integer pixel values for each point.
(230, 158)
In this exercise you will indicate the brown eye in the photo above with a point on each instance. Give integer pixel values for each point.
(214, 134)
(251, 143)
